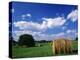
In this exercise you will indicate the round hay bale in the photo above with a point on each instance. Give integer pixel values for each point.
(62, 46)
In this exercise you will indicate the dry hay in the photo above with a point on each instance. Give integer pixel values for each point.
(62, 46)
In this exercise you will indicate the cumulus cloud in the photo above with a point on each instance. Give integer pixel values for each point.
(46, 23)
(73, 16)
(30, 25)
(54, 22)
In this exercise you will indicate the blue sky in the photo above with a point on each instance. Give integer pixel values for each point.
(44, 21)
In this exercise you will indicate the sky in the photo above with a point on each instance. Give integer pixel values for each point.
(44, 21)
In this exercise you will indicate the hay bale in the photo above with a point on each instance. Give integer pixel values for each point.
(62, 46)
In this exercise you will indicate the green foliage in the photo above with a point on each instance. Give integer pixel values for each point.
(26, 40)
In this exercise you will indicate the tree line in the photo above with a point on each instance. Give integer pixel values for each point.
(27, 40)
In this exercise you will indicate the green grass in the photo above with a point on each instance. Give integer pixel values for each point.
(19, 52)
(44, 50)
(75, 45)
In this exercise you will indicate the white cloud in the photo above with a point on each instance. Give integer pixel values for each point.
(29, 15)
(68, 31)
(60, 34)
(73, 16)
(54, 22)
(30, 25)
(25, 15)
(50, 37)
(44, 36)
(18, 33)
(20, 24)
(38, 35)
(46, 23)
(71, 34)
(71, 31)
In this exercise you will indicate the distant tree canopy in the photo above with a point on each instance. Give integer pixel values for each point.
(26, 40)
(43, 41)
(76, 38)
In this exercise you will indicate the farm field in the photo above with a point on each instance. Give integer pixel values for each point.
(39, 51)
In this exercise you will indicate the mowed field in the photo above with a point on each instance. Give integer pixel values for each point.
(39, 51)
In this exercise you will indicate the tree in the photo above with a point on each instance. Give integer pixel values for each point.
(76, 39)
(43, 41)
(26, 40)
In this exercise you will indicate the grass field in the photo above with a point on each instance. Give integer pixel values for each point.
(44, 50)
